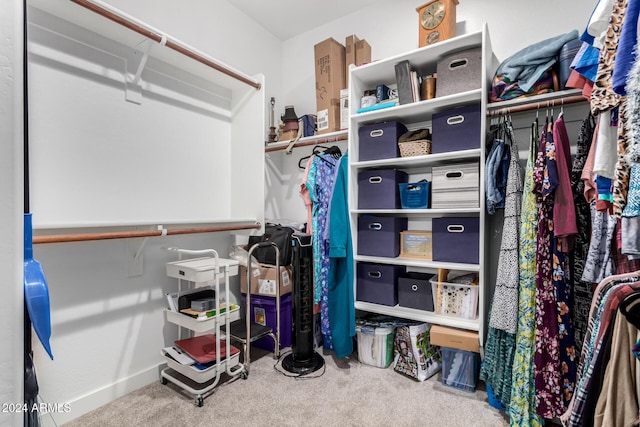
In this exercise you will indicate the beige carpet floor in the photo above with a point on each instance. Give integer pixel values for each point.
(345, 393)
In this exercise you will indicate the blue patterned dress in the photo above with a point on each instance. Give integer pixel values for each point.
(320, 183)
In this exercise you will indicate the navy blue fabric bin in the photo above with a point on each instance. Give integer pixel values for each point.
(456, 129)
(414, 291)
(379, 140)
(378, 283)
(456, 239)
(378, 188)
(380, 235)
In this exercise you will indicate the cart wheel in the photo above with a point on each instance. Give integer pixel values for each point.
(163, 381)
(199, 401)
(244, 375)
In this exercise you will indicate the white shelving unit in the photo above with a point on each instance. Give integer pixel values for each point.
(413, 116)
(209, 268)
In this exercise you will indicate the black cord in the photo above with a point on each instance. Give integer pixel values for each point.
(296, 376)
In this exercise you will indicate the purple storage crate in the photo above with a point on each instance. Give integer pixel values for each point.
(456, 129)
(380, 235)
(378, 283)
(456, 239)
(263, 311)
(378, 188)
(379, 140)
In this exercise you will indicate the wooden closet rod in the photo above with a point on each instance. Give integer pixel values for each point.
(534, 105)
(159, 38)
(63, 238)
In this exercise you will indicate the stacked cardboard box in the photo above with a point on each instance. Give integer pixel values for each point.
(363, 52)
(330, 79)
(350, 52)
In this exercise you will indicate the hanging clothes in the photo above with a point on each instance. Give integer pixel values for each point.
(607, 296)
(603, 98)
(497, 164)
(564, 231)
(622, 263)
(582, 291)
(599, 258)
(320, 184)
(623, 170)
(305, 194)
(501, 337)
(504, 313)
(617, 404)
(340, 279)
(564, 213)
(633, 113)
(547, 372)
(627, 55)
(522, 406)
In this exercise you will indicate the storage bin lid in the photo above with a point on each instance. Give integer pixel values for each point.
(377, 330)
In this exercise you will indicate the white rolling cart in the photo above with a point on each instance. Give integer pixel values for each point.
(205, 267)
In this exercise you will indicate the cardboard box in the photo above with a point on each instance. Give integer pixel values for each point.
(363, 52)
(263, 280)
(454, 338)
(330, 80)
(350, 54)
(344, 109)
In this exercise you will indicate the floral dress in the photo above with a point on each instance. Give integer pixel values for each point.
(522, 412)
(546, 359)
(562, 276)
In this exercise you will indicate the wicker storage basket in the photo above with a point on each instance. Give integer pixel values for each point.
(415, 148)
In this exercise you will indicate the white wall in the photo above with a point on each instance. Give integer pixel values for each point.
(391, 28)
(11, 302)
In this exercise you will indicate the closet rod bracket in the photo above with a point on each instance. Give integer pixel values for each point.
(135, 259)
(133, 88)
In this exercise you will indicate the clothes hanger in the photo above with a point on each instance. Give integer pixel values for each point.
(303, 159)
(332, 151)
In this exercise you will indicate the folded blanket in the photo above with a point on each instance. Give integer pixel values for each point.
(528, 65)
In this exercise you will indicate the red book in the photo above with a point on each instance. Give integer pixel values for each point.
(203, 348)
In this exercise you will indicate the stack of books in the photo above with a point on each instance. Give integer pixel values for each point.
(408, 82)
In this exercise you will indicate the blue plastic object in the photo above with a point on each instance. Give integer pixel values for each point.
(36, 291)
(414, 195)
(493, 400)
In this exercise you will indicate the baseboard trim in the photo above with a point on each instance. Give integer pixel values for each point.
(102, 396)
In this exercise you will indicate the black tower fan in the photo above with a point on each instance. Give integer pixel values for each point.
(303, 359)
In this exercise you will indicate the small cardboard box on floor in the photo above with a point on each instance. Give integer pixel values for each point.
(330, 79)
(264, 280)
(454, 338)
